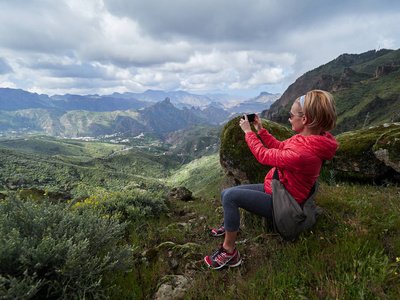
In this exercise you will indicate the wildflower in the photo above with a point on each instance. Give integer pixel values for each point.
(397, 259)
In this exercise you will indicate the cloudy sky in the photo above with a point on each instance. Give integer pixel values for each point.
(240, 47)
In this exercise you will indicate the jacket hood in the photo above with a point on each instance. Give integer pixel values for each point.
(324, 145)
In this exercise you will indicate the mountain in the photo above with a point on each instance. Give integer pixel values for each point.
(16, 99)
(256, 104)
(181, 99)
(366, 88)
(96, 103)
(160, 118)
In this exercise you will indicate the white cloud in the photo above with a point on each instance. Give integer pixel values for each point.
(96, 46)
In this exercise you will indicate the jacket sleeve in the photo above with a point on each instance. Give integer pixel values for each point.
(288, 159)
(269, 140)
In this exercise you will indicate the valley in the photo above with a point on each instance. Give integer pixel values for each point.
(86, 208)
(76, 168)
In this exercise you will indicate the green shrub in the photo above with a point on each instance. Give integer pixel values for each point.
(50, 251)
(124, 206)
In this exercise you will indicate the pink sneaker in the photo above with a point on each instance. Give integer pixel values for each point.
(219, 231)
(221, 258)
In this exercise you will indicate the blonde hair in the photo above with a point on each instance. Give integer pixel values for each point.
(319, 108)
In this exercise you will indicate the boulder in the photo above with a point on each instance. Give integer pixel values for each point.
(387, 147)
(172, 287)
(237, 161)
(180, 193)
(374, 152)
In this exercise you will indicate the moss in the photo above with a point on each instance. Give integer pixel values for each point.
(166, 246)
(236, 153)
(358, 145)
(356, 151)
(390, 141)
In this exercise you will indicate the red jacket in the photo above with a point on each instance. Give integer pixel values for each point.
(298, 159)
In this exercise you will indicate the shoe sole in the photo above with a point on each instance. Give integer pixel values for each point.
(225, 265)
(218, 234)
(236, 264)
(214, 268)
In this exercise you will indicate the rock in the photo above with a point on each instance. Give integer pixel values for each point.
(237, 161)
(373, 152)
(387, 147)
(188, 250)
(180, 226)
(173, 263)
(384, 70)
(172, 287)
(180, 193)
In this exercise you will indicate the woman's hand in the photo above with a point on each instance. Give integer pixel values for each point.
(257, 123)
(245, 124)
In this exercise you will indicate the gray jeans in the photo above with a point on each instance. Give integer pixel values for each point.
(251, 197)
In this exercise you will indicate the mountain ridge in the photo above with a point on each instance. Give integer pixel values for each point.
(22, 112)
(366, 84)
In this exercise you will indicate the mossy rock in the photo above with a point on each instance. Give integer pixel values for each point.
(239, 164)
(180, 193)
(387, 148)
(357, 151)
(166, 246)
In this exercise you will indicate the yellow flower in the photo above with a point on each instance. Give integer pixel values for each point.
(397, 259)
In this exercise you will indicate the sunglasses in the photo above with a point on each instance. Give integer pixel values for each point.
(292, 115)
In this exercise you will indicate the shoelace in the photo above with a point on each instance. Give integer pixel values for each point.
(221, 226)
(217, 252)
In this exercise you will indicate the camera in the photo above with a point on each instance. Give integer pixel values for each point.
(250, 117)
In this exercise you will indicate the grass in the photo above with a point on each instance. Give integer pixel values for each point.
(353, 252)
(203, 175)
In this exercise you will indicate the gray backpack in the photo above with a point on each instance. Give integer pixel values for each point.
(291, 219)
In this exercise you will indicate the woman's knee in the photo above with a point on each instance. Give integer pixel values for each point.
(229, 196)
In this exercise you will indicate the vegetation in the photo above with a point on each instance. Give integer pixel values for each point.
(204, 176)
(79, 169)
(353, 252)
(364, 95)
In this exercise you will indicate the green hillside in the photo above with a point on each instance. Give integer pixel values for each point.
(366, 84)
(377, 98)
(202, 176)
(77, 178)
(46, 145)
(78, 168)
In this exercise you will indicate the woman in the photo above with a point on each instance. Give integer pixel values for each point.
(298, 159)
